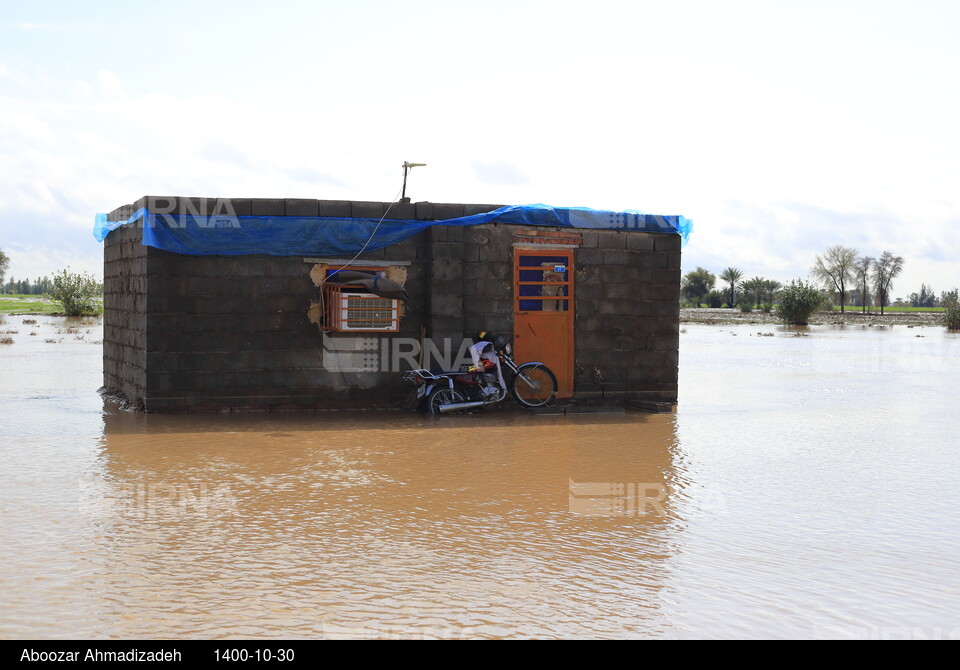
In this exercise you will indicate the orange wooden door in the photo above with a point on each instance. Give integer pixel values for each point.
(543, 311)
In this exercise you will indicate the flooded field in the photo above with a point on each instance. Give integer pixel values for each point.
(807, 487)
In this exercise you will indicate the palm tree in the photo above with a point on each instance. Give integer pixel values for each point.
(755, 287)
(731, 275)
(770, 288)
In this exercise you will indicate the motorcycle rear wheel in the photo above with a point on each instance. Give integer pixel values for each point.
(443, 396)
(534, 385)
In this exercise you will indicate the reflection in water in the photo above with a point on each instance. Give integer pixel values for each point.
(386, 525)
(806, 488)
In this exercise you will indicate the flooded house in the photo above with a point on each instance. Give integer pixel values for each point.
(215, 304)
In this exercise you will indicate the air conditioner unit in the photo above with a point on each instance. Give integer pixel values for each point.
(354, 311)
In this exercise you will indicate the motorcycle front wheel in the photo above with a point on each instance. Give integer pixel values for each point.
(443, 396)
(534, 385)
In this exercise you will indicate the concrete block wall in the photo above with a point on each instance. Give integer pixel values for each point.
(234, 333)
(627, 302)
(125, 311)
(487, 261)
(627, 326)
(200, 333)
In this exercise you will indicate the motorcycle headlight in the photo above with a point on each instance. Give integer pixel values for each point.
(508, 349)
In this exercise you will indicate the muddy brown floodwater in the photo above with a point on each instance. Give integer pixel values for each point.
(807, 487)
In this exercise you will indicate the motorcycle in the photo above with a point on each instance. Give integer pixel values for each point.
(483, 384)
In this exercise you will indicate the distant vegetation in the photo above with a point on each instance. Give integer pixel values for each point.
(835, 269)
(78, 294)
(840, 276)
(798, 301)
(39, 286)
(697, 284)
(4, 265)
(951, 314)
(26, 304)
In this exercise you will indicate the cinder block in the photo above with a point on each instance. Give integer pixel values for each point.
(471, 210)
(301, 207)
(455, 233)
(588, 256)
(590, 240)
(667, 243)
(658, 260)
(470, 253)
(424, 211)
(239, 206)
(498, 324)
(493, 253)
(447, 250)
(446, 305)
(335, 208)
(611, 239)
(614, 376)
(268, 207)
(190, 206)
(437, 234)
(665, 327)
(666, 309)
(444, 271)
(157, 204)
(585, 308)
(368, 210)
(619, 257)
(444, 210)
(294, 304)
(446, 326)
(664, 342)
(403, 211)
(592, 292)
(639, 241)
(492, 306)
(618, 291)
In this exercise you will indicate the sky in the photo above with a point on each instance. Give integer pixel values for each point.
(781, 127)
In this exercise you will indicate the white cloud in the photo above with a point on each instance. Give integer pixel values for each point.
(110, 83)
(778, 143)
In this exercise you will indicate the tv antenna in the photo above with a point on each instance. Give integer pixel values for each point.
(406, 170)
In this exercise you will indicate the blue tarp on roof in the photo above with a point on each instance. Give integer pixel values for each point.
(323, 236)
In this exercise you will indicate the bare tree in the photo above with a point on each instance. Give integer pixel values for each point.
(885, 270)
(861, 272)
(835, 269)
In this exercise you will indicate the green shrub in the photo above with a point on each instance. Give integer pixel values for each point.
(767, 307)
(951, 316)
(745, 305)
(798, 301)
(713, 299)
(78, 294)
